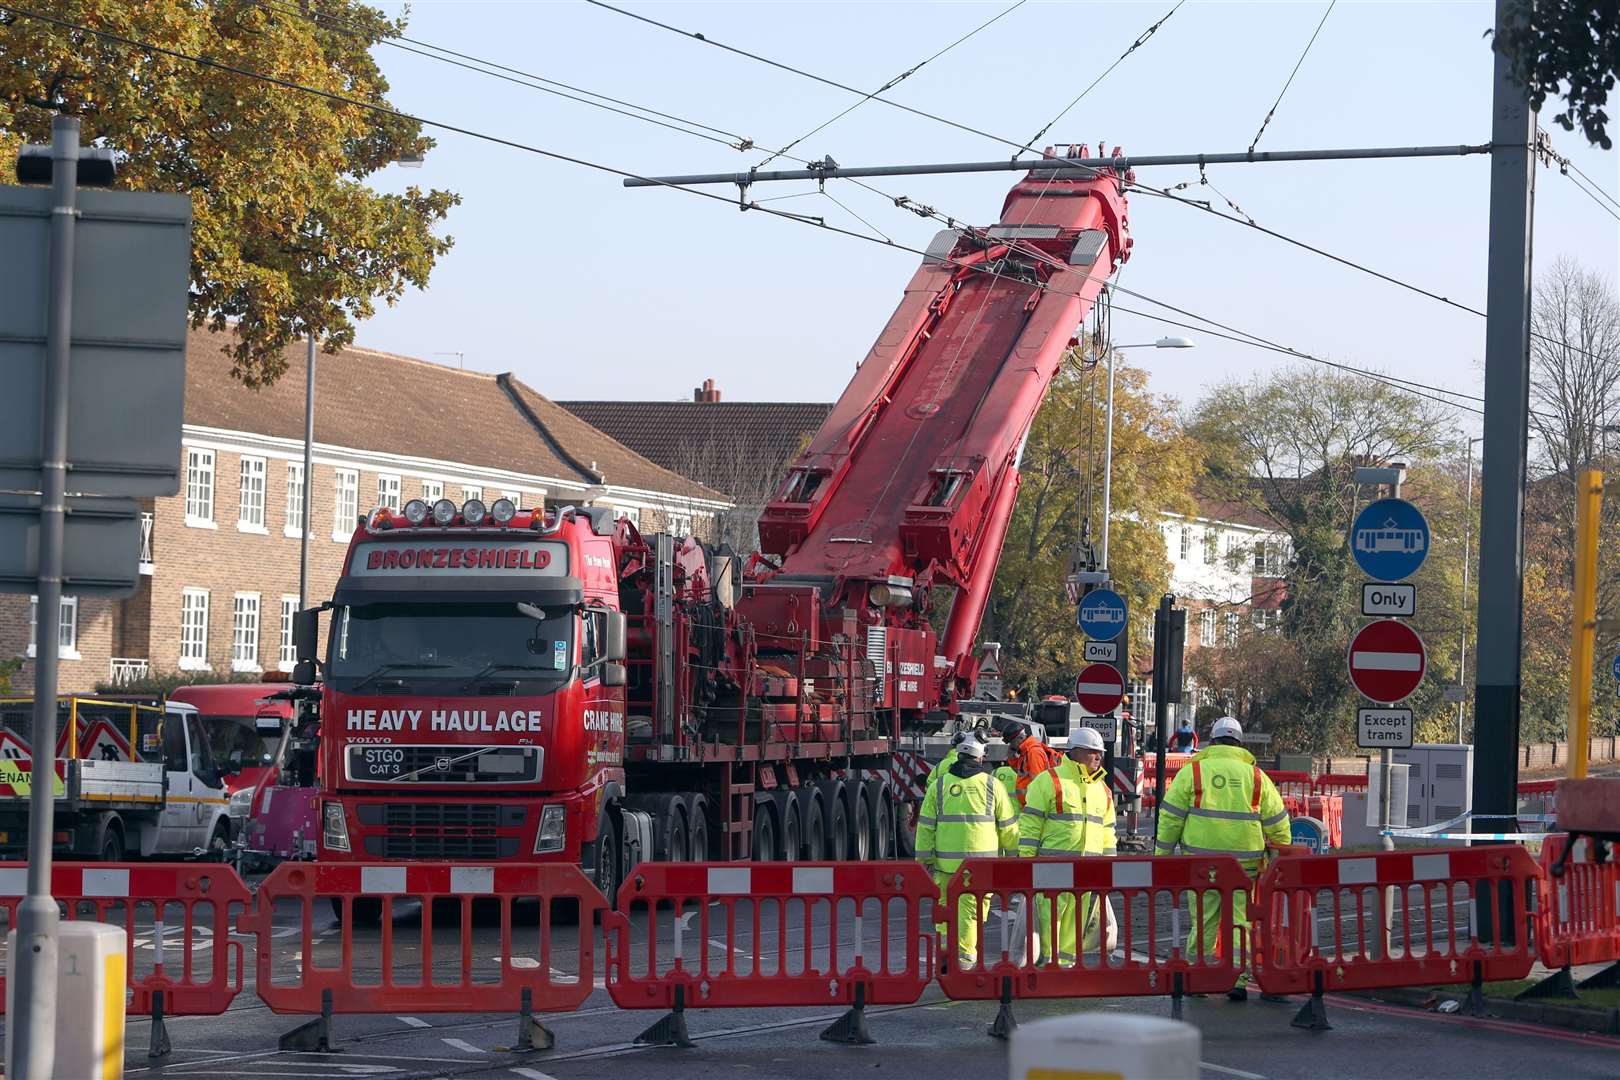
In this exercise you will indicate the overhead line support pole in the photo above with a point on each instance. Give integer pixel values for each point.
(1060, 165)
(1500, 618)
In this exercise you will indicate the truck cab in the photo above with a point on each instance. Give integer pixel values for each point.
(472, 701)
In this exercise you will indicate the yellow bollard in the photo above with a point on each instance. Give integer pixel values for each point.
(1094, 1046)
(91, 980)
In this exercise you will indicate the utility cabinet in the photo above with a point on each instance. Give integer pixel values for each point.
(1440, 782)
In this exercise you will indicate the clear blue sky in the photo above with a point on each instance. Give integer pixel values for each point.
(588, 290)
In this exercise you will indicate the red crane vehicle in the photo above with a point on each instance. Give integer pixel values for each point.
(551, 684)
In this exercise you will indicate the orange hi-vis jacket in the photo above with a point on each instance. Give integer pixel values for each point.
(1030, 760)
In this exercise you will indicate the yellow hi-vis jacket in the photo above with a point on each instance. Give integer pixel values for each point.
(963, 817)
(1067, 811)
(1220, 803)
(939, 770)
(1009, 779)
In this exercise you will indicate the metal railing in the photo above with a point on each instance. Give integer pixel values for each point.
(125, 670)
(146, 566)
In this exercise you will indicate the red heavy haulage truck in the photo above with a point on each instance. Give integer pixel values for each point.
(510, 684)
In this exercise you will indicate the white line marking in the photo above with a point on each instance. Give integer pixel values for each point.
(459, 1044)
(532, 1074)
(1229, 1071)
(411, 1021)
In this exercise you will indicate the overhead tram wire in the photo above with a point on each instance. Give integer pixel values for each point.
(896, 81)
(1243, 338)
(1290, 81)
(1137, 44)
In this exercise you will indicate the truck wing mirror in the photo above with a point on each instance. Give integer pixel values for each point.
(613, 672)
(306, 632)
(614, 648)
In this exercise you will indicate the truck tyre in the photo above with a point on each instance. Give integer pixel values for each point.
(791, 830)
(219, 842)
(814, 829)
(367, 910)
(764, 849)
(678, 841)
(882, 847)
(606, 856)
(697, 828)
(836, 812)
(112, 843)
(860, 832)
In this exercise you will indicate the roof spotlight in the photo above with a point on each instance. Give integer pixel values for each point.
(502, 511)
(473, 511)
(444, 512)
(416, 511)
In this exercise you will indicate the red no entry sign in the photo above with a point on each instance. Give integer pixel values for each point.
(1386, 661)
(1099, 688)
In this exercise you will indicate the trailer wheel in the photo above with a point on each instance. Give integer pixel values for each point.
(697, 829)
(367, 910)
(860, 835)
(814, 829)
(791, 831)
(837, 818)
(764, 833)
(882, 822)
(112, 843)
(679, 839)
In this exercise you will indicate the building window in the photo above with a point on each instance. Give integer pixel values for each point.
(193, 629)
(1206, 628)
(628, 513)
(388, 492)
(245, 632)
(1212, 548)
(286, 655)
(346, 508)
(67, 636)
(1260, 558)
(295, 498)
(470, 493)
(678, 524)
(250, 515)
(1266, 619)
(200, 487)
(516, 497)
(432, 491)
(1186, 543)
(1230, 637)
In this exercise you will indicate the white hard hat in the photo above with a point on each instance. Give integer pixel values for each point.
(958, 736)
(971, 747)
(1087, 739)
(1226, 727)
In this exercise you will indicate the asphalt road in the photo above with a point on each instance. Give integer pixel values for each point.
(934, 1037)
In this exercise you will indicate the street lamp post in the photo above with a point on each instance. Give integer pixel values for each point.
(1468, 534)
(1108, 437)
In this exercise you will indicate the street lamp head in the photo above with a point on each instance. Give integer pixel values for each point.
(1174, 343)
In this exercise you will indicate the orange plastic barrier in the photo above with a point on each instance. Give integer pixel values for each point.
(1579, 918)
(1393, 919)
(406, 972)
(734, 935)
(141, 897)
(1060, 903)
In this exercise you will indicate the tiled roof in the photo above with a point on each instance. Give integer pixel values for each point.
(391, 404)
(676, 433)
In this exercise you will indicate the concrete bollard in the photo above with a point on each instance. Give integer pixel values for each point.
(91, 979)
(1114, 1045)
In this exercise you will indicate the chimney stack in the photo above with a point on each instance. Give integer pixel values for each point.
(707, 393)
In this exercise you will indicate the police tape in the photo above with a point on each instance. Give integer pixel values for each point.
(1438, 831)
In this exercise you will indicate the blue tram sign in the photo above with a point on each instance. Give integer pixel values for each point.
(1102, 614)
(1389, 540)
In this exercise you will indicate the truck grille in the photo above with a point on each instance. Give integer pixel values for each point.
(431, 830)
(378, 764)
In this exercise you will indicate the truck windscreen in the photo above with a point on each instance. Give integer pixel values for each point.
(450, 648)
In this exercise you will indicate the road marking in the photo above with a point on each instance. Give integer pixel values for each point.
(532, 1074)
(722, 946)
(460, 1044)
(411, 1021)
(1226, 1071)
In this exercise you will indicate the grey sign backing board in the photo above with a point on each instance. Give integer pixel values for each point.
(1378, 598)
(1384, 729)
(126, 386)
(101, 546)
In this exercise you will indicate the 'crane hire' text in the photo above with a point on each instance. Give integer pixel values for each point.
(443, 720)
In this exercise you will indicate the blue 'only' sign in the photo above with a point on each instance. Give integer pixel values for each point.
(1390, 539)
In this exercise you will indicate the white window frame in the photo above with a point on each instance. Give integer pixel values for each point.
(67, 628)
(1186, 543)
(389, 491)
(678, 522)
(1230, 625)
(471, 491)
(1206, 628)
(432, 491)
(1212, 547)
(250, 502)
(515, 496)
(286, 654)
(246, 609)
(189, 597)
(200, 488)
(630, 513)
(295, 501)
(345, 482)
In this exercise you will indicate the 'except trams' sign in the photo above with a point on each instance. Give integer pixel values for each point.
(436, 558)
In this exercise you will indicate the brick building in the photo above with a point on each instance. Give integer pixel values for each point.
(219, 560)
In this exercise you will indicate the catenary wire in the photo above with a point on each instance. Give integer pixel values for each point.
(1137, 44)
(1242, 337)
(896, 81)
(1290, 81)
